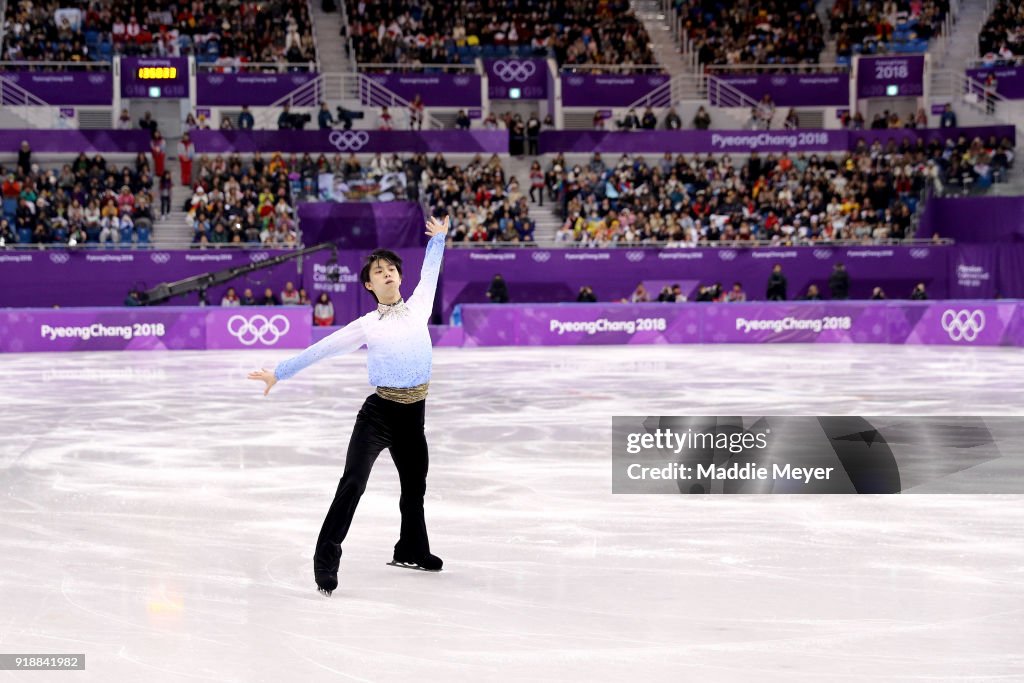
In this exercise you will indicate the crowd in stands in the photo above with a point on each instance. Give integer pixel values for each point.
(238, 201)
(573, 31)
(227, 33)
(749, 32)
(323, 308)
(881, 26)
(866, 195)
(485, 205)
(1001, 39)
(87, 201)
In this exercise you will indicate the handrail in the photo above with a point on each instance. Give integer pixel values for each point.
(611, 68)
(727, 94)
(786, 68)
(12, 94)
(405, 68)
(49, 66)
(735, 244)
(979, 63)
(258, 67)
(312, 33)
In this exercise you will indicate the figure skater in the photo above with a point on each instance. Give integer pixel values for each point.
(398, 360)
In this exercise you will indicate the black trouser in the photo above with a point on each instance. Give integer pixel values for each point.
(398, 427)
(165, 205)
(539, 191)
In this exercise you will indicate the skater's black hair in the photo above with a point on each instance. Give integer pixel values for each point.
(379, 255)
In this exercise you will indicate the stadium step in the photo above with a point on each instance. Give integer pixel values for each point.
(330, 47)
(663, 43)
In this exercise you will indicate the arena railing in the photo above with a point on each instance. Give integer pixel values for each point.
(54, 66)
(547, 244)
(253, 67)
(749, 69)
(611, 68)
(397, 67)
(980, 63)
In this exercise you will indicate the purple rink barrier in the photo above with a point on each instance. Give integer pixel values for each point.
(875, 75)
(91, 277)
(789, 90)
(1009, 79)
(950, 323)
(62, 87)
(154, 329)
(436, 90)
(345, 141)
(555, 275)
(254, 89)
(745, 141)
(976, 220)
(529, 75)
(612, 90)
(75, 141)
(363, 225)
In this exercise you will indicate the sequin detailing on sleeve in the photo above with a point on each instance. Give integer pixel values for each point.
(345, 340)
(422, 299)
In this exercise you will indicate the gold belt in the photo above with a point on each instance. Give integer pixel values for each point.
(404, 395)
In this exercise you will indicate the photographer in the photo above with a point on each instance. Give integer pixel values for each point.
(284, 121)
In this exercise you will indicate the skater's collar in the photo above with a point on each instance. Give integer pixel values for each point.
(394, 310)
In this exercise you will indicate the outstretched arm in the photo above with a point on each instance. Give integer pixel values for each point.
(422, 298)
(345, 340)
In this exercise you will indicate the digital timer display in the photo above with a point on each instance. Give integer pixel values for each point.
(156, 73)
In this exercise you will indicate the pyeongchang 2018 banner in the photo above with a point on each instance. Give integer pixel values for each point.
(157, 328)
(799, 454)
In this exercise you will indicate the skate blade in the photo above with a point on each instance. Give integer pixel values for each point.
(324, 591)
(408, 565)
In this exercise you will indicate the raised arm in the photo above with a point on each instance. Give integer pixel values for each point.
(345, 340)
(422, 298)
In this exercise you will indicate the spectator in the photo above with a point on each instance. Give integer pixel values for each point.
(166, 185)
(672, 120)
(25, 158)
(385, 119)
(269, 299)
(247, 298)
(147, 122)
(124, 122)
(776, 284)
(498, 291)
(416, 113)
(324, 118)
(630, 121)
(765, 111)
(736, 294)
(701, 120)
(323, 311)
(919, 293)
(304, 297)
(158, 148)
(536, 184)
(812, 294)
(245, 119)
(289, 295)
(948, 118)
(186, 153)
(230, 298)
(792, 121)
(284, 119)
(877, 294)
(649, 120)
(462, 121)
(839, 282)
(533, 126)
(640, 295)
(586, 295)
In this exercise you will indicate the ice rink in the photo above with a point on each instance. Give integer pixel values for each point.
(158, 514)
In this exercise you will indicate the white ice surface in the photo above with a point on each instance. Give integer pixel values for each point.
(158, 514)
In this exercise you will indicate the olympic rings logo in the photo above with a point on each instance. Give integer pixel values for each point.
(514, 70)
(541, 256)
(349, 140)
(59, 257)
(634, 256)
(963, 325)
(160, 258)
(258, 328)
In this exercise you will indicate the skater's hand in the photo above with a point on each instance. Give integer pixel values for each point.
(436, 227)
(266, 376)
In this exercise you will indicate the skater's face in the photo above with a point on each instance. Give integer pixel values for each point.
(384, 281)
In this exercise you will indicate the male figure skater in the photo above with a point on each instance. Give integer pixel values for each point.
(399, 360)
